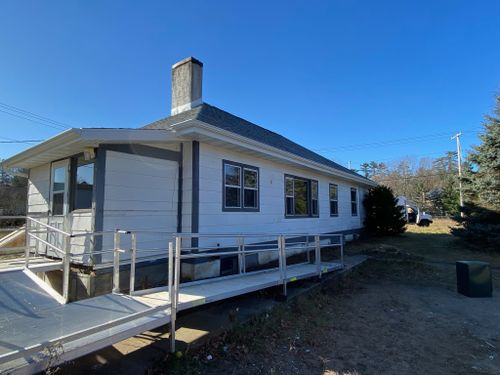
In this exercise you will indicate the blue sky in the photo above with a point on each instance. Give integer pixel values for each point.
(393, 78)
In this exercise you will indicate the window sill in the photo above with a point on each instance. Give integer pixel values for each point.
(240, 209)
(301, 217)
(81, 210)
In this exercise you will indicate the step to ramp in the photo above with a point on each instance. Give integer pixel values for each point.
(36, 264)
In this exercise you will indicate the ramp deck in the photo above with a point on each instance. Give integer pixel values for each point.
(30, 317)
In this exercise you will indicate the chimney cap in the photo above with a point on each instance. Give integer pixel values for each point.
(186, 60)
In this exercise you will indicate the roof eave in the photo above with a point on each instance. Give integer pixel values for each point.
(197, 126)
(89, 138)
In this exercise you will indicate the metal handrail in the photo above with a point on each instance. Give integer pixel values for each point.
(48, 226)
(46, 243)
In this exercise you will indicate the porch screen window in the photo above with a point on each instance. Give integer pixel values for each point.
(301, 197)
(84, 184)
(241, 187)
(334, 200)
(58, 189)
(354, 202)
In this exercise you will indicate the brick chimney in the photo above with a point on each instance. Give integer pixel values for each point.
(186, 85)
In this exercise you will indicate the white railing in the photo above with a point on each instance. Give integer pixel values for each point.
(243, 245)
(180, 246)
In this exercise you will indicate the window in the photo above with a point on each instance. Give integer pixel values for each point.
(59, 187)
(354, 202)
(232, 183)
(72, 185)
(334, 200)
(250, 188)
(301, 197)
(84, 184)
(241, 187)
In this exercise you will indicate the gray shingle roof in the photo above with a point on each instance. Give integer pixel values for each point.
(229, 122)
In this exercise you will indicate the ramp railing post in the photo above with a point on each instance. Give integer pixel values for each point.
(342, 250)
(116, 262)
(37, 231)
(175, 300)
(27, 242)
(280, 259)
(66, 267)
(170, 269)
(133, 256)
(308, 249)
(282, 250)
(241, 255)
(317, 249)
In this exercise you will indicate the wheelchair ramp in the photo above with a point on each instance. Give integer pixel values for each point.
(37, 332)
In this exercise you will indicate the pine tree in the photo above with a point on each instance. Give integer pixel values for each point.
(383, 216)
(483, 181)
(481, 221)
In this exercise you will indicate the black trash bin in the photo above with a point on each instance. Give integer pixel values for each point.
(474, 278)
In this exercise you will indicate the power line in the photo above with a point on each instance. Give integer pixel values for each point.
(413, 177)
(22, 141)
(31, 116)
(398, 158)
(400, 141)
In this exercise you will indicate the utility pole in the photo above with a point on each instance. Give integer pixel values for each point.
(459, 155)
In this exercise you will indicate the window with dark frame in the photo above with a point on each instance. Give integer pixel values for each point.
(72, 185)
(84, 183)
(301, 197)
(334, 200)
(354, 202)
(241, 187)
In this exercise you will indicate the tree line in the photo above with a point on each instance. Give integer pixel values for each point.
(432, 183)
(13, 193)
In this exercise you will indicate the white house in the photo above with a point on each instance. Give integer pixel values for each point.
(201, 170)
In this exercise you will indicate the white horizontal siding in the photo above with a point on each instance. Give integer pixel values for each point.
(140, 193)
(271, 217)
(39, 189)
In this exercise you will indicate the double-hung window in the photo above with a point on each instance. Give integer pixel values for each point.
(354, 202)
(334, 200)
(241, 187)
(301, 197)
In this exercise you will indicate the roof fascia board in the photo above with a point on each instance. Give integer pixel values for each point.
(74, 135)
(67, 137)
(127, 135)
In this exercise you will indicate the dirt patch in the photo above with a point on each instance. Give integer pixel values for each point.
(388, 317)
